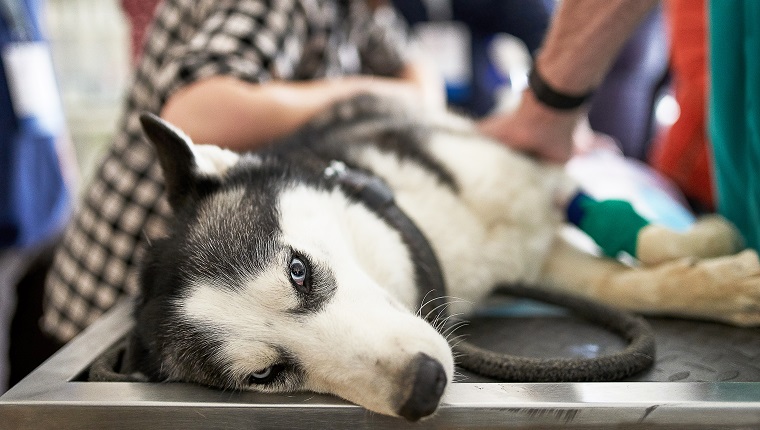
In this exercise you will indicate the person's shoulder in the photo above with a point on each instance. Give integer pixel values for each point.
(201, 9)
(252, 7)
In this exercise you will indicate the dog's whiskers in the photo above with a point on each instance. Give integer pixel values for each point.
(443, 324)
(456, 358)
(440, 323)
(424, 302)
(460, 377)
(455, 342)
(449, 301)
(448, 331)
(428, 302)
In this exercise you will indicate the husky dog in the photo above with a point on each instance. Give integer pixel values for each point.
(273, 278)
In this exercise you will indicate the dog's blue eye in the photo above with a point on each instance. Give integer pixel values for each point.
(265, 375)
(299, 274)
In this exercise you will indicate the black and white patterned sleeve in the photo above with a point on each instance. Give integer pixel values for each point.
(384, 42)
(245, 39)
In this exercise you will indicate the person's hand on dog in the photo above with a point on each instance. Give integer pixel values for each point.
(534, 129)
(548, 134)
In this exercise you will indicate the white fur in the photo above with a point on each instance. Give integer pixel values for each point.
(500, 225)
(213, 160)
(239, 318)
(329, 227)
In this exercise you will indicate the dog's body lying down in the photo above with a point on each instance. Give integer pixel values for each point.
(273, 279)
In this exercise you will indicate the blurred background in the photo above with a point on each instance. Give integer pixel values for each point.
(90, 46)
(66, 66)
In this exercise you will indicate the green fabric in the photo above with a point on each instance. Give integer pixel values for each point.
(734, 113)
(613, 224)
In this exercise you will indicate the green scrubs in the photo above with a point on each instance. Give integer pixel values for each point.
(734, 111)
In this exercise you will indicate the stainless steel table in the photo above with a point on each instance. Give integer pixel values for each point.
(56, 396)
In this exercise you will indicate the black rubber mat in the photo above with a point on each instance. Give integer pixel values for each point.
(686, 350)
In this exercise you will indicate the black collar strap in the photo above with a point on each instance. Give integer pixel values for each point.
(378, 196)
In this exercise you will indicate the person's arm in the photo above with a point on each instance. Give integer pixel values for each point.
(584, 39)
(240, 116)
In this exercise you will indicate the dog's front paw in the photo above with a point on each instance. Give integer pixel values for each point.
(711, 236)
(715, 236)
(730, 288)
(745, 270)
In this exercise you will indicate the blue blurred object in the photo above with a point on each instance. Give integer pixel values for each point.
(607, 175)
(34, 198)
(525, 19)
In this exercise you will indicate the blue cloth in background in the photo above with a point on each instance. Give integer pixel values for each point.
(34, 199)
(527, 20)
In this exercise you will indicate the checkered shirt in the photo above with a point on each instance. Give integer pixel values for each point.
(253, 40)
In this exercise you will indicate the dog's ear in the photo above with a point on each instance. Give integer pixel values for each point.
(174, 155)
(187, 168)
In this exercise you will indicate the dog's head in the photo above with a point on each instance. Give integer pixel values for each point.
(272, 280)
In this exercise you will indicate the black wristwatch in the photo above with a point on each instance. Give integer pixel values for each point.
(551, 97)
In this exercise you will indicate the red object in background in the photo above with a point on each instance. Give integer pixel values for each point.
(139, 13)
(682, 153)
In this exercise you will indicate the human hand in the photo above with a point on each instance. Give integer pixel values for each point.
(535, 129)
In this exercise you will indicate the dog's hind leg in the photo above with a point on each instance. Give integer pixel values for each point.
(710, 236)
(724, 288)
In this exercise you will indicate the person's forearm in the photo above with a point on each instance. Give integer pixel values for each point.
(584, 39)
(241, 116)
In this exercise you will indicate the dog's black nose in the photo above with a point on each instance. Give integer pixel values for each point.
(429, 383)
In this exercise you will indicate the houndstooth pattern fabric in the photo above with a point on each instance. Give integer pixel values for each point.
(253, 40)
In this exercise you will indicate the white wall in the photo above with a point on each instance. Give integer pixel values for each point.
(90, 47)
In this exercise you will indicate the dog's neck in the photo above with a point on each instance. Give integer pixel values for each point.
(377, 195)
